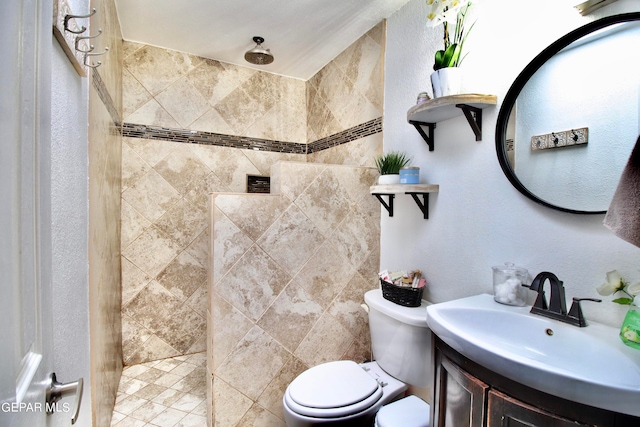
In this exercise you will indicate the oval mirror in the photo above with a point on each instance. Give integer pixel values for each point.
(570, 119)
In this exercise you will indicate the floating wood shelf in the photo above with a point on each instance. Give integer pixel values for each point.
(428, 113)
(414, 190)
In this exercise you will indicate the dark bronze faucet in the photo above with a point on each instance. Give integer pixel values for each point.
(557, 307)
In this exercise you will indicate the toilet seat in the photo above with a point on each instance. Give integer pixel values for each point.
(332, 390)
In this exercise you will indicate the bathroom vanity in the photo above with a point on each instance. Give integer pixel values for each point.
(498, 365)
(467, 394)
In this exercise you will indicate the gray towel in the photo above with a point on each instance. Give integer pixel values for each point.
(623, 216)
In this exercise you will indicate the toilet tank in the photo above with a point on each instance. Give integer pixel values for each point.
(400, 339)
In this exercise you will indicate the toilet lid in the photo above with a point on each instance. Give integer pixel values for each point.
(410, 411)
(333, 389)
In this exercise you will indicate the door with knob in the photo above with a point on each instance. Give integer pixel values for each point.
(29, 394)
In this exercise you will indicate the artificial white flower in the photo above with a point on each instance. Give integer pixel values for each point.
(449, 13)
(436, 14)
(613, 284)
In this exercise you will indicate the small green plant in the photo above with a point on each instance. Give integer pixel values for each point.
(391, 163)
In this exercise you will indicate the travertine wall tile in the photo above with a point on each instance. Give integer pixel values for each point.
(149, 150)
(296, 294)
(183, 276)
(180, 331)
(183, 102)
(151, 195)
(198, 300)
(325, 275)
(253, 214)
(281, 264)
(226, 338)
(157, 68)
(231, 405)
(291, 239)
(182, 168)
(248, 369)
(291, 316)
(133, 224)
(179, 91)
(325, 202)
(353, 238)
(153, 114)
(361, 152)
(234, 173)
(271, 397)
(152, 251)
(136, 94)
(348, 90)
(256, 416)
(216, 80)
(133, 166)
(104, 231)
(199, 248)
(330, 336)
(253, 283)
(305, 174)
(133, 280)
(230, 243)
(183, 222)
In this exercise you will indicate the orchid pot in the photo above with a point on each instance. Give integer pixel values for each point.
(446, 81)
(446, 78)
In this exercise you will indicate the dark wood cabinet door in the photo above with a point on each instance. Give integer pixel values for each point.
(460, 397)
(505, 411)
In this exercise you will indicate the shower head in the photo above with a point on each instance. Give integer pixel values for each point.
(259, 55)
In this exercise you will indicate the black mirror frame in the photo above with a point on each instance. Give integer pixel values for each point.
(521, 81)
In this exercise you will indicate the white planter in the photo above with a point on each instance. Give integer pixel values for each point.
(393, 178)
(446, 81)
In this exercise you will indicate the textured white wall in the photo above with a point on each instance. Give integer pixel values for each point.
(478, 219)
(70, 210)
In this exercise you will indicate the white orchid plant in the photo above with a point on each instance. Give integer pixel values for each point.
(450, 12)
(616, 284)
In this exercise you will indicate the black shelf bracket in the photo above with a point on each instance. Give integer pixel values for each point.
(424, 204)
(387, 206)
(474, 117)
(429, 139)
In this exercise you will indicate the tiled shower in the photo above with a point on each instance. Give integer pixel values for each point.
(167, 178)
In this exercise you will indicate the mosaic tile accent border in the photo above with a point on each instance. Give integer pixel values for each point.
(360, 131)
(209, 138)
(103, 93)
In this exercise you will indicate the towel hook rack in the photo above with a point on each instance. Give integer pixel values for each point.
(91, 47)
(98, 63)
(83, 28)
(575, 136)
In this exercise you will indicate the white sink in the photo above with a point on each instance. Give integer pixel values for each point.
(588, 365)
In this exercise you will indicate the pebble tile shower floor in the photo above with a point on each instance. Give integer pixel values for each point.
(163, 393)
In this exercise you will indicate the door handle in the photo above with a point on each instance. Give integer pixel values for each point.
(57, 390)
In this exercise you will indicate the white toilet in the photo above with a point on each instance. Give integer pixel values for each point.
(344, 393)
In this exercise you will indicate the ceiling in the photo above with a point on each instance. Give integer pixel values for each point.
(303, 35)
